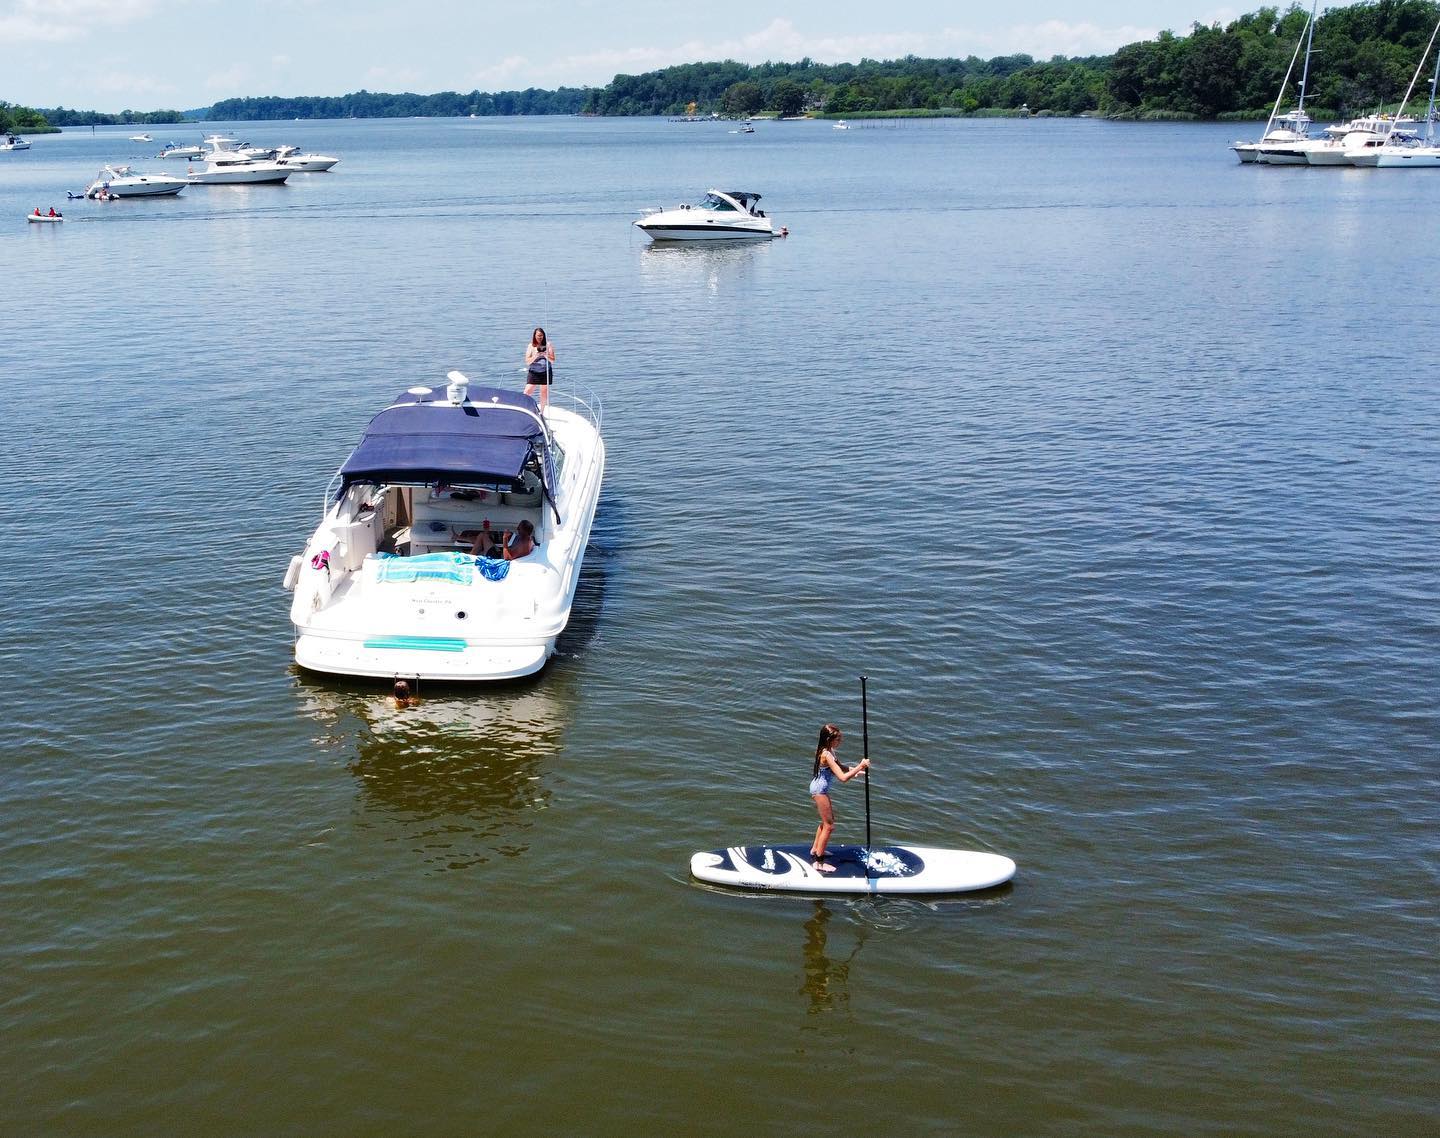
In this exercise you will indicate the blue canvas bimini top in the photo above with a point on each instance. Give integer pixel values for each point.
(422, 437)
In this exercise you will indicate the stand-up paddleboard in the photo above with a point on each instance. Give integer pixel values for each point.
(885, 869)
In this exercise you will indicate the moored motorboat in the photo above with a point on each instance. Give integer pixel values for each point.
(387, 585)
(239, 172)
(1357, 135)
(304, 163)
(141, 138)
(175, 150)
(124, 182)
(14, 142)
(719, 215)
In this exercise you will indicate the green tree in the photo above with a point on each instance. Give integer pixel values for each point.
(743, 98)
(787, 97)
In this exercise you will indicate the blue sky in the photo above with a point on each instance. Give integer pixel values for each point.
(142, 54)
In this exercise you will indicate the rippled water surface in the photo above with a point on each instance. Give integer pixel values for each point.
(1112, 463)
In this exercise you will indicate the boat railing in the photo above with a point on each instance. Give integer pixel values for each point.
(583, 401)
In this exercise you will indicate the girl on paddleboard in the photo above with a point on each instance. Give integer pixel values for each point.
(827, 770)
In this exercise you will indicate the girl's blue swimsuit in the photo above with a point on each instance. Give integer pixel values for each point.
(820, 784)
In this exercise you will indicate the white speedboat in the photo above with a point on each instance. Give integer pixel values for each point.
(141, 138)
(123, 182)
(239, 172)
(175, 150)
(387, 587)
(304, 163)
(719, 215)
(842, 125)
(14, 142)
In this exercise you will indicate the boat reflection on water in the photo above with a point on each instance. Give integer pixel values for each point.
(459, 773)
(710, 264)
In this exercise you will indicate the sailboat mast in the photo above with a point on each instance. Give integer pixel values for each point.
(1309, 43)
(1280, 95)
(1419, 67)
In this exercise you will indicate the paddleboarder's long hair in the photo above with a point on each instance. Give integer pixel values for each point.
(828, 734)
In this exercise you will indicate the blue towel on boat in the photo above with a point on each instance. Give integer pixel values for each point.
(457, 567)
(493, 568)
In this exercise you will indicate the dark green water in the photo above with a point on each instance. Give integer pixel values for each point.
(1112, 463)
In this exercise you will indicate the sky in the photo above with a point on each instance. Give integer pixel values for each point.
(112, 55)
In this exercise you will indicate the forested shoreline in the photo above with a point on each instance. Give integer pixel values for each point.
(1364, 56)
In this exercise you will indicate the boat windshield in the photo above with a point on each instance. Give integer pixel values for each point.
(710, 201)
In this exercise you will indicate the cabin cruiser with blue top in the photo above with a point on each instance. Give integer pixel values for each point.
(398, 581)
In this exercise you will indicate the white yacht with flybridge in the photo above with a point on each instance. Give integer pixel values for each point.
(391, 584)
(721, 215)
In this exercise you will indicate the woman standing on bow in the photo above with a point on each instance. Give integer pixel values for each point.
(539, 366)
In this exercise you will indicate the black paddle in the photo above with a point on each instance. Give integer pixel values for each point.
(865, 754)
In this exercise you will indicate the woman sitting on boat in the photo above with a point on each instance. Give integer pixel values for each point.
(512, 545)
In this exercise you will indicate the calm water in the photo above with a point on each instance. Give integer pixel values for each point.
(1111, 462)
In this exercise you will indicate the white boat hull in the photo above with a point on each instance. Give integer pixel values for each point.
(703, 231)
(144, 187)
(1415, 158)
(34, 220)
(240, 174)
(308, 163)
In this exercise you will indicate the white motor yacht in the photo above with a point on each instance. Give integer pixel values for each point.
(238, 172)
(141, 138)
(1356, 135)
(304, 163)
(719, 215)
(14, 142)
(387, 585)
(123, 182)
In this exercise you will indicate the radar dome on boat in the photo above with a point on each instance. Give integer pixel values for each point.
(458, 388)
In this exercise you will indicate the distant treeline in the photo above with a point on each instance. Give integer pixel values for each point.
(23, 120)
(1364, 56)
(59, 116)
(375, 105)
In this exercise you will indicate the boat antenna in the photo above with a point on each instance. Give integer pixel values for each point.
(865, 754)
(1413, 80)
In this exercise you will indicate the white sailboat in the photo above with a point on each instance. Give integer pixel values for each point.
(1402, 154)
(1283, 132)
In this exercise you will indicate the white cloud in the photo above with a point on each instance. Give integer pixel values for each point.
(232, 79)
(119, 83)
(502, 76)
(392, 78)
(43, 21)
(1043, 40)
